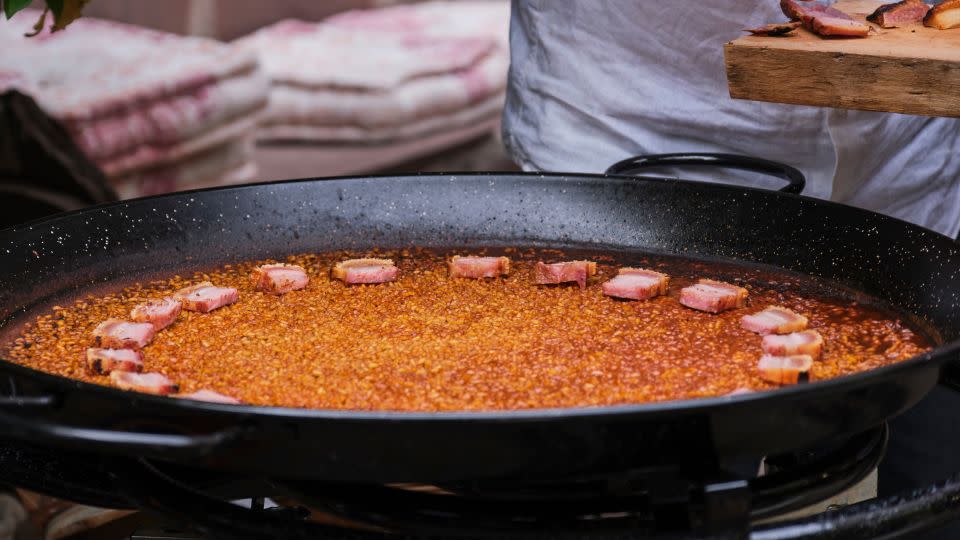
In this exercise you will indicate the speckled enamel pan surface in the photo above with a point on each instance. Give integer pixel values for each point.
(910, 268)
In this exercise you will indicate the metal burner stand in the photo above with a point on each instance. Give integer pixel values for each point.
(626, 504)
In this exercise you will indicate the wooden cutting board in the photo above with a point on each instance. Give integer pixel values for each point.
(913, 70)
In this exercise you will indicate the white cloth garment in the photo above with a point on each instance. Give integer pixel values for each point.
(594, 82)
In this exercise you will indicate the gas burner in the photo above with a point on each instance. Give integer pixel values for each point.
(636, 503)
(640, 503)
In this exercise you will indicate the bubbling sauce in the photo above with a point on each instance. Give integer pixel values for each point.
(429, 342)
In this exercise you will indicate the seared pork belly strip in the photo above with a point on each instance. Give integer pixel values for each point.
(637, 284)
(808, 342)
(105, 361)
(205, 297)
(565, 272)
(479, 267)
(836, 27)
(899, 13)
(149, 383)
(713, 296)
(120, 334)
(823, 20)
(803, 12)
(209, 396)
(785, 369)
(774, 320)
(160, 313)
(279, 278)
(793, 10)
(775, 29)
(360, 271)
(944, 15)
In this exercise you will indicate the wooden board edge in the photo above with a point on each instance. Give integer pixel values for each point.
(849, 81)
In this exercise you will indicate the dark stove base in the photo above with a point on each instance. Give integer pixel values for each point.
(625, 504)
(618, 505)
(632, 500)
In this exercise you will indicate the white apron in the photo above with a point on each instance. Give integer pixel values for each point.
(592, 82)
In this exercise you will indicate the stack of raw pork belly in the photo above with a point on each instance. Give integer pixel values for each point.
(156, 112)
(159, 112)
(384, 75)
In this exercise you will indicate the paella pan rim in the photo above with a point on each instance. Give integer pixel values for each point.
(850, 382)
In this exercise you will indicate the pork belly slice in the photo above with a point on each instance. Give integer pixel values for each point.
(637, 284)
(785, 369)
(713, 296)
(775, 29)
(565, 272)
(160, 313)
(105, 361)
(774, 320)
(899, 13)
(360, 271)
(837, 27)
(205, 297)
(823, 20)
(210, 396)
(479, 267)
(279, 278)
(806, 12)
(793, 10)
(944, 15)
(120, 334)
(808, 342)
(148, 383)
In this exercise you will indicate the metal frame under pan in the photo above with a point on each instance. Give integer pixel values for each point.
(905, 265)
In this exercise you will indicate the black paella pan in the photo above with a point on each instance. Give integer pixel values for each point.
(911, 268)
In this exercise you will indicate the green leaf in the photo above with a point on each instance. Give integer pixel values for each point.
(64, 12)
(10, 7)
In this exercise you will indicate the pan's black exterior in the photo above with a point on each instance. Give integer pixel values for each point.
(907, 266)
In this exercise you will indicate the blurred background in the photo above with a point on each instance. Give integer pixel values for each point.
(140, 98)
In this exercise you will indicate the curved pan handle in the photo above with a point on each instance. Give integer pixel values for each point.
(631, 166)
(45, 432)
